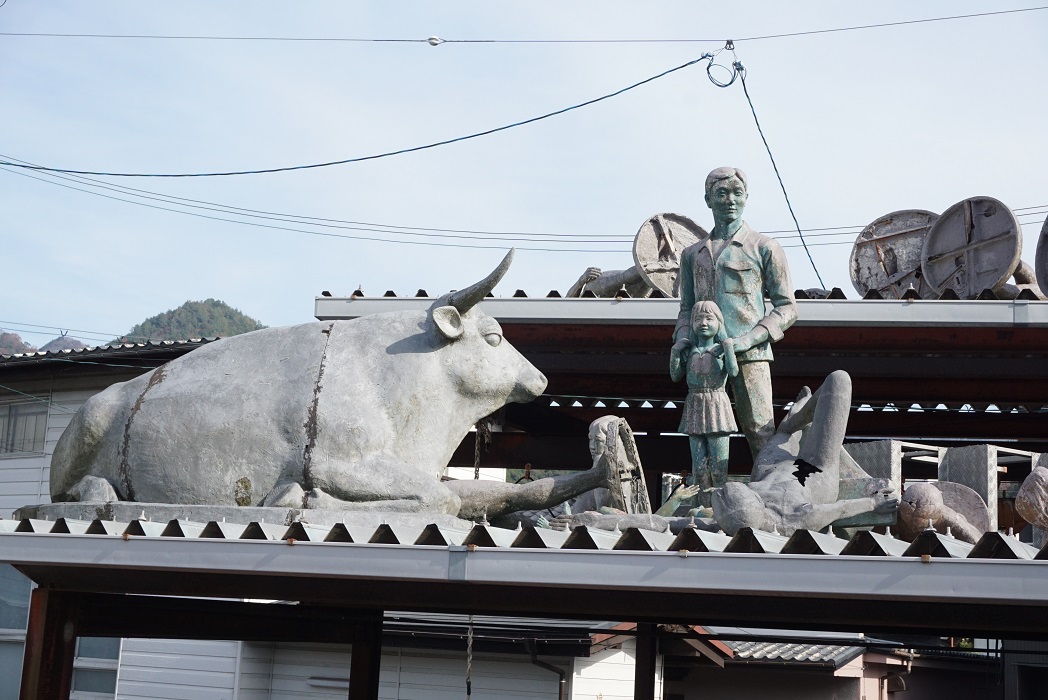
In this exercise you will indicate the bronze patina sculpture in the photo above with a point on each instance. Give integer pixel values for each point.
(736, 267)
(707, 421)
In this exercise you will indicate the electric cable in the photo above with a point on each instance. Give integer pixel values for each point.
(63, 409)
(376, 156)
(60, 329)
(314, 221)
(436, 41)
(370, 226)
(738, 70)
(324, 233)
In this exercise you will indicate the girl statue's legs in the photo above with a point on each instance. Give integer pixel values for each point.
(709, 463)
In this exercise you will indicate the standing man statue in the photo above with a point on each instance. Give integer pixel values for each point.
(746, 274)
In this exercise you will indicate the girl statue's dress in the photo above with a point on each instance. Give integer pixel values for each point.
(707, 410)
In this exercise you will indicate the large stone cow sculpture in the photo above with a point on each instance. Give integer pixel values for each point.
(361, 414)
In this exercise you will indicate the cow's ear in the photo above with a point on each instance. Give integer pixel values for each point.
(449, 321)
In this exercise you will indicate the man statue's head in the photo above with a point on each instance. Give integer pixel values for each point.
(726, 194)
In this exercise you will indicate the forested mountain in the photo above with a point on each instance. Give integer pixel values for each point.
(12, 343)
(194, 319)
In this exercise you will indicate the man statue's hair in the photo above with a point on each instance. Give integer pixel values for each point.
(724, 174)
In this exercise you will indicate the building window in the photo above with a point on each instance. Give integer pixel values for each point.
(94, 668)
(14, 611)
(22, 427)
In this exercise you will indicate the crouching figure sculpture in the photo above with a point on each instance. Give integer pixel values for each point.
(356, 415)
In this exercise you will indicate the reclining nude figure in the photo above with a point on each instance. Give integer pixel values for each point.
(795, 480)
(509, 505)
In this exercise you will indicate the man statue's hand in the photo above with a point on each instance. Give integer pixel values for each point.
(885, 501)
(562, 522)
(750, 339)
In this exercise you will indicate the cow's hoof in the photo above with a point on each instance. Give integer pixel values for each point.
(94, 489)
(285, 496)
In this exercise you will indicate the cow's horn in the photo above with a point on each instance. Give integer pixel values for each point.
(466, 299)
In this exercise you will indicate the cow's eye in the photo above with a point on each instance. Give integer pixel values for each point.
(493, 339)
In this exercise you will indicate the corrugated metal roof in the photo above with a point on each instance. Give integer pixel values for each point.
(929, 544)
(121, 350)
(884, 595)
(817, 312)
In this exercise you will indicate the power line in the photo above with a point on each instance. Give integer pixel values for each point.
(741, 71)
(831, 231)
(63, 409)
(319, 233)
(315, 221)
(371, 157)
(60, 329)
(436, 41)
(371, 226)
(892, 24)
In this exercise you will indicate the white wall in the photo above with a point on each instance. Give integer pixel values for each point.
(166, 669)
(24, 480)
(609, 675)
(322, 671)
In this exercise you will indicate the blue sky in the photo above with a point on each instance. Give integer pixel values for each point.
(861, 123)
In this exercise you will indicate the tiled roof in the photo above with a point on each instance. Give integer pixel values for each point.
(790, 652)
(100, 352)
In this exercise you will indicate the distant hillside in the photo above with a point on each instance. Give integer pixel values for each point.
(63, 342)
(12, 343)
(194, 319)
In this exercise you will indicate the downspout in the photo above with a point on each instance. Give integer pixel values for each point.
(529, 645)
(896, 674)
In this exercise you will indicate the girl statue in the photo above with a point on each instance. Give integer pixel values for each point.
(707, 358)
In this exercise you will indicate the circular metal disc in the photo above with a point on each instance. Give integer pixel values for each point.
(975, 245)
(657, 249)
(1041, 260)
(887, 254)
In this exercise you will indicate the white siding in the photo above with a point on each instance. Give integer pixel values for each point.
(24, 480)
(165, 669)
(321, 671)
(256, 671)
(609, 675)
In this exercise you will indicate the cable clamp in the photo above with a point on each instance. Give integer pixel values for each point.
(729, 45)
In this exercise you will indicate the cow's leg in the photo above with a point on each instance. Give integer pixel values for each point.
(377, 484)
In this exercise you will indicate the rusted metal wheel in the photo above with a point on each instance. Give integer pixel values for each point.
(887, 254)
(1041, 259)
(975, 245)
(657, 249)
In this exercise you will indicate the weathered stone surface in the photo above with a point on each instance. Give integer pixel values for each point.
(942, 505)
(1032, 500)
(974, 245)
(886, 256)
(974, 466)
(796, 480)
(360, 414)
(657, 248)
